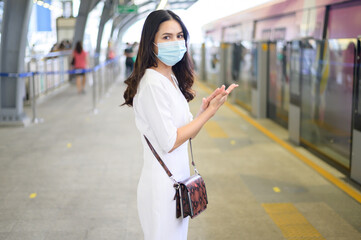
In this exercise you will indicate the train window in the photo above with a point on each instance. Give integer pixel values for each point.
(279, 34)
(266, 34)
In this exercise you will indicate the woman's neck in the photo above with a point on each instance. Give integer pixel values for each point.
(164, 69)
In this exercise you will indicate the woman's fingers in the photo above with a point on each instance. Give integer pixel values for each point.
(230, 88)
(214, 94)
(219, 95)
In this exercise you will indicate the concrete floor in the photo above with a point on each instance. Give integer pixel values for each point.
(75, 175)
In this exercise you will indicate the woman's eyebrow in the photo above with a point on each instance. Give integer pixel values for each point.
(181, 32)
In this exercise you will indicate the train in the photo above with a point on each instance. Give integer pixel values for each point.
(297, 62)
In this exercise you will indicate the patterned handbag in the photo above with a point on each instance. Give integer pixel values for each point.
(191, 195)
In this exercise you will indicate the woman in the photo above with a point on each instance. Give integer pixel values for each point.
(158, 89)
(80, 62)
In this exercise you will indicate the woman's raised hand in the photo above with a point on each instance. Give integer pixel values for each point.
(230, 88)
(221, 97)
(206, 101)
(220, 94)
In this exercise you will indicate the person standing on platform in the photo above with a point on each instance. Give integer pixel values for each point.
(129, 62)
(159, 90)
(80, 62)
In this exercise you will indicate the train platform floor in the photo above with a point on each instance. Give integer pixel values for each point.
(74, 176)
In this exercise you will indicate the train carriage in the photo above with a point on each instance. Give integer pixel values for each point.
(297, 63)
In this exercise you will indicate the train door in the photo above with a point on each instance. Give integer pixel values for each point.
(327, 77)
(278, 82)
(356, 132)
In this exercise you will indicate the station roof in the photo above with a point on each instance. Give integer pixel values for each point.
(125, 17)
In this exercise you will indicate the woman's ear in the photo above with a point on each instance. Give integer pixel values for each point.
(155, 48)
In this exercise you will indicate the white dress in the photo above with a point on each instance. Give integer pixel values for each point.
(160, 108)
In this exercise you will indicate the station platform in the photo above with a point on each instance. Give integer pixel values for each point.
(74, 176)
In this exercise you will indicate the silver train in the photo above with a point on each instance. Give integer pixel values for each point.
(297, 63)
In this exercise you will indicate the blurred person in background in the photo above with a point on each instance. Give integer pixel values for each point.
(80, 62)
(129, 62)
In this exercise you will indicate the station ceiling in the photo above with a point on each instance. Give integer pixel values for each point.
(123, 20)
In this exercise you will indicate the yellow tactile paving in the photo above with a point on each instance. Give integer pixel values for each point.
(214, 130)
(291, 222)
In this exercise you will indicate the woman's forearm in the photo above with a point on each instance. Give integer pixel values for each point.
(192, 129)
(209, 107)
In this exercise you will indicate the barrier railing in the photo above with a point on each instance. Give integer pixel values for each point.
(103, 74)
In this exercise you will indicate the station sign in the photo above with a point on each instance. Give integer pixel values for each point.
(127, 9)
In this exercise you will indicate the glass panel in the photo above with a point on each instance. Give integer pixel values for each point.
(359, 89)
(232, 63)
(272, 79)
(327, 84)
(212, 64)
(295, 76)
(247, 73)
(278, 85)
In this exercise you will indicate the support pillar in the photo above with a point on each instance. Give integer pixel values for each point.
(84, 9)
(106, 15)
(15, 26)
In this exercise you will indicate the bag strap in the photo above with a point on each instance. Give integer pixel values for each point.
(194, 165)
(159, 159)
(163, 164)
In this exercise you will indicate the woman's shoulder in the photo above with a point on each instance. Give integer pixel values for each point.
(150, 78)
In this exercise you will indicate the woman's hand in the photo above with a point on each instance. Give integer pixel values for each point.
(219, 92)
(221, 97)
(206, 101)
(209, 107)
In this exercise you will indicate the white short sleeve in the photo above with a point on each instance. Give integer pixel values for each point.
(190, 117)
(155, 108)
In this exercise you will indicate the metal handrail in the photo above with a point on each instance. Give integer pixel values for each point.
(32, 75)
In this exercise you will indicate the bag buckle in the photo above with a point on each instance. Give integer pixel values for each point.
(176, 184)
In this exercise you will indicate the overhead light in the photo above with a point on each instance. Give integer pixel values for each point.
(162, 4)
(46, 5)
(40, 3)
(137, 2)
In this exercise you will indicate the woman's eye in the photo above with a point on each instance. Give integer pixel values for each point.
(166, 38)
(180, 36)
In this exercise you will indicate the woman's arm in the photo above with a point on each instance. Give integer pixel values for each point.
(211, 106)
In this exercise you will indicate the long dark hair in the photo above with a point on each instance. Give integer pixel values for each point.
(78, 47)
(146, 57)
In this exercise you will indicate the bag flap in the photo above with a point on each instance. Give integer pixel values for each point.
(192, 180)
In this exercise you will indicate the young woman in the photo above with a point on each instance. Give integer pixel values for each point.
(159, 89)
(80, 62)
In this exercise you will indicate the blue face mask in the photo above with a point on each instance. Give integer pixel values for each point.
(170, 53)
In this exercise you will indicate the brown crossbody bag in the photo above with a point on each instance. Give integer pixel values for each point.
(191, 195)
